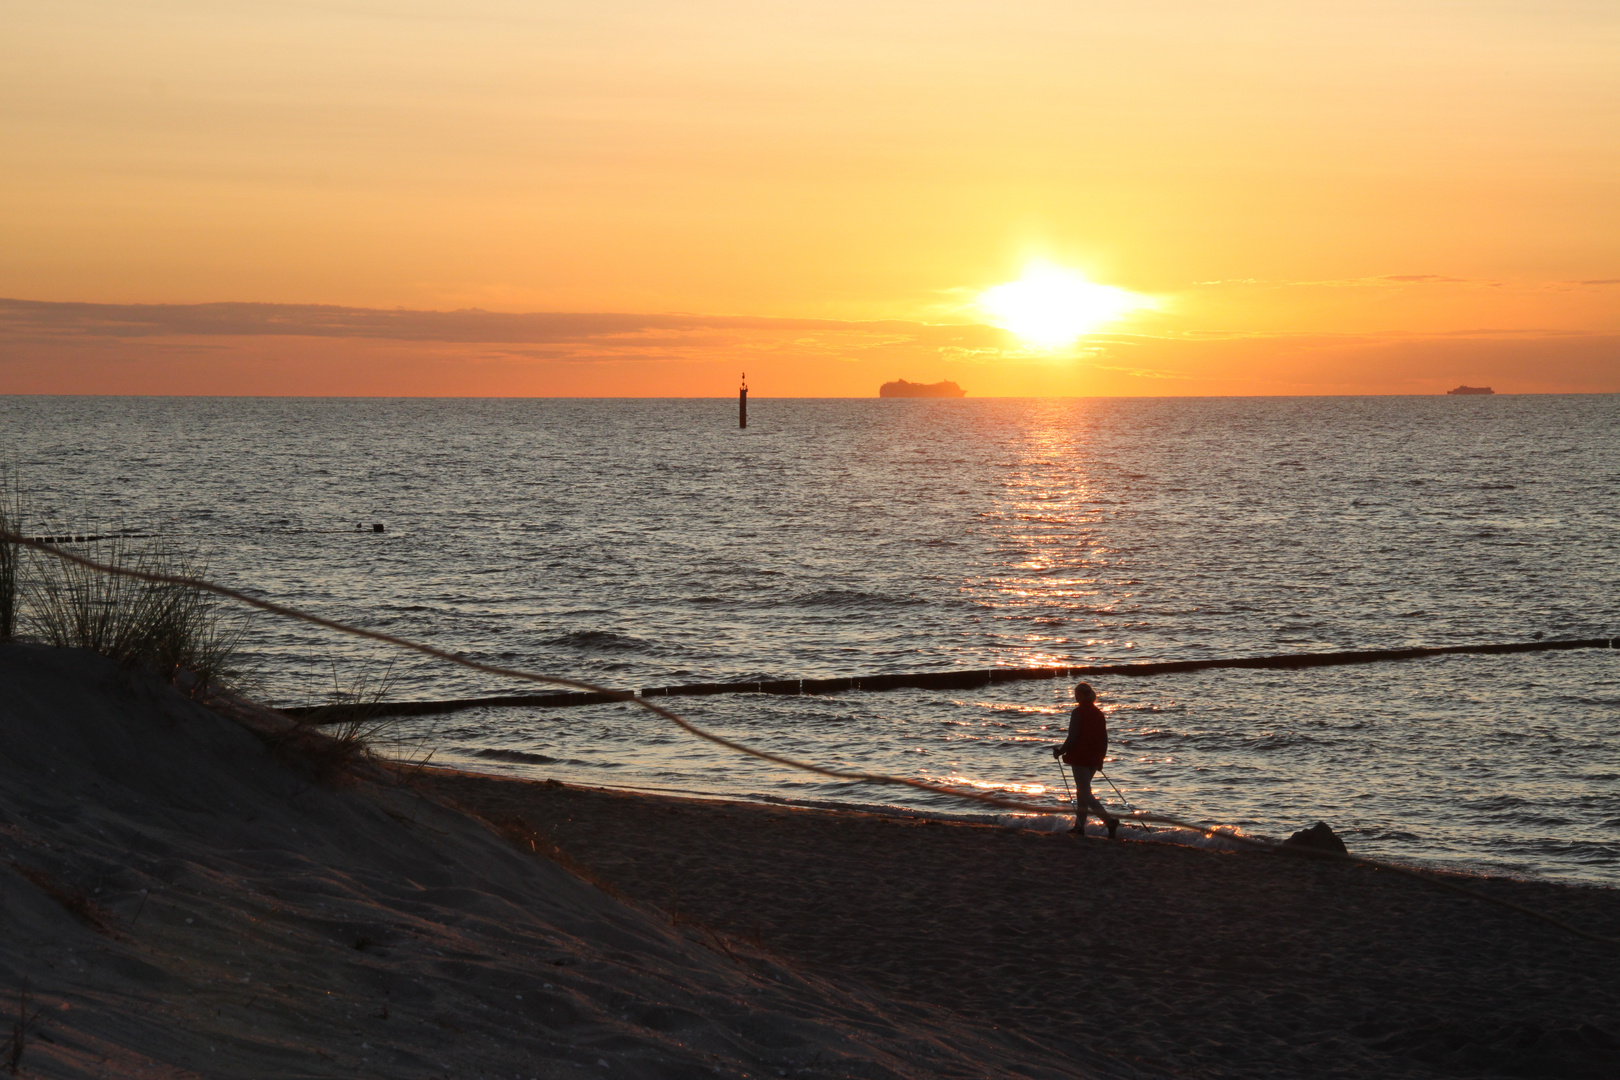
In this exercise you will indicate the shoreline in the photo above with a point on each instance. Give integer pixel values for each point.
(1059, 820)
(1169, 958)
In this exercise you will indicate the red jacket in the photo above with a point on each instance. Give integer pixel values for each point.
(1087, 743)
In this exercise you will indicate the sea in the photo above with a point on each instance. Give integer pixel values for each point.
(635, 543)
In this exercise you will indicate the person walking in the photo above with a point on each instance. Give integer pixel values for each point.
(1083, 751)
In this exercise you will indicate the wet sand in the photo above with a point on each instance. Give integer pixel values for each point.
(1168, 960)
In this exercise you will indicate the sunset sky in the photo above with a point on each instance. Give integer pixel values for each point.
(647, 198)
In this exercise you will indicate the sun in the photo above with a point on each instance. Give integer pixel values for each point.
(1050, 306)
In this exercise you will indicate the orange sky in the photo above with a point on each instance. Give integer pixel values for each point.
(1320, 197)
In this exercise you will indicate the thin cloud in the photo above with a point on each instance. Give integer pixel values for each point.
(473, 326)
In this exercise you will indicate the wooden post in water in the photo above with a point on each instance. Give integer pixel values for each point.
(742, 403)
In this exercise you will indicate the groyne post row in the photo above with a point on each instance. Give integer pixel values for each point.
(81, 538)
(971, 678)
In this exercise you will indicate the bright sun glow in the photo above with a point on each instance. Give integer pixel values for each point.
(1050, 306)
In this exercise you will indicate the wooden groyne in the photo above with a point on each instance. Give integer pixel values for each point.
(966, 678)
(87, 538)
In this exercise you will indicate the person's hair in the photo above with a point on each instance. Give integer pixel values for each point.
(1084, 692)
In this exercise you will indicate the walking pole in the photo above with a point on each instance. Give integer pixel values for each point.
(1079, 820)
(1122, 797)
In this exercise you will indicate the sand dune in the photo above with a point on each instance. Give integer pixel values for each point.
(174, 903)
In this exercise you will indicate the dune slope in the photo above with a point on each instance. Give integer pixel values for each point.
(175, 903)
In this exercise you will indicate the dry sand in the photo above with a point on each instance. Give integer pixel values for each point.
(178, 904)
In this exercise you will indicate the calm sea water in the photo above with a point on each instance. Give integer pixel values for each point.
(639, 543)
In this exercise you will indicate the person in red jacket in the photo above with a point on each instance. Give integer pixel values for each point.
(1083, 751)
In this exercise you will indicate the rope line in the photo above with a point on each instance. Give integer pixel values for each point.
(998, 801)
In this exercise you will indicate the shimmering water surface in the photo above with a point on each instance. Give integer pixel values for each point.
(639, 543)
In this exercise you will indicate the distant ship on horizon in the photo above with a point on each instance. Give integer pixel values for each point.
(902, 388)
(1471, 390)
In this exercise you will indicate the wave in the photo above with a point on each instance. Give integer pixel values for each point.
(1381, 834)
(600, 641)
(1277, 741)
(1146, 707)
(852, 598)
(518, 756)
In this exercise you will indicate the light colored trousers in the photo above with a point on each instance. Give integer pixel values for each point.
(1084, 801)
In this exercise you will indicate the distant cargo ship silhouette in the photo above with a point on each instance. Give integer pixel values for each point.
(901, 388)
(1471, 390)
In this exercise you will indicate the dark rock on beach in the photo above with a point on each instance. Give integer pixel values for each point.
(1318, 836)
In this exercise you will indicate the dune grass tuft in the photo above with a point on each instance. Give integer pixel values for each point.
(333, 744)
(165, 627)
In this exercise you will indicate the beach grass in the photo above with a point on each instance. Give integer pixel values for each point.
(159, 625)
(354, 704)
(332, 743)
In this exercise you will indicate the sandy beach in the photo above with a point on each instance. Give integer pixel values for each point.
(183, 896)
(1172, 960)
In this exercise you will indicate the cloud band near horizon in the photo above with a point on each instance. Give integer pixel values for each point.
(255, 349)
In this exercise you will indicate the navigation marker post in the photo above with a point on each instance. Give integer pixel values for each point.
(742, 403)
